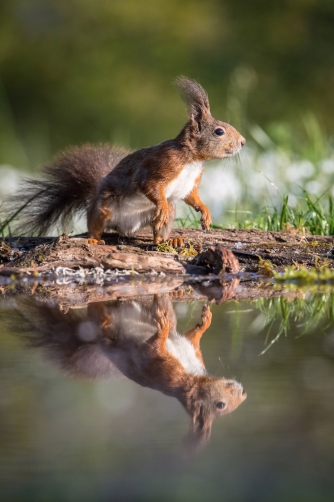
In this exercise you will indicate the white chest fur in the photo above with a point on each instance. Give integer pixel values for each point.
(181, 186)
(184, 351)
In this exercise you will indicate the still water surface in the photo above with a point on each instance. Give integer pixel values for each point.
(109, 402)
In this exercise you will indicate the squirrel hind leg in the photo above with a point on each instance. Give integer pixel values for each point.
(96, 222)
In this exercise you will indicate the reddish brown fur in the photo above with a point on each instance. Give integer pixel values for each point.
(102, 179)
(193, 200)
(141, 356)
(152, 169)
(152, 365)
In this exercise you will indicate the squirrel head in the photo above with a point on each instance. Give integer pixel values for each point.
(208, 137)
(211, 397)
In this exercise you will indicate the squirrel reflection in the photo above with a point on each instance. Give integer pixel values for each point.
(140, 340)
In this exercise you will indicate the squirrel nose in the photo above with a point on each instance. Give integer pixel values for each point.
(243, 141)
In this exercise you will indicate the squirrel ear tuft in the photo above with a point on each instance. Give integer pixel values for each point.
(194, 96)
(201, 428)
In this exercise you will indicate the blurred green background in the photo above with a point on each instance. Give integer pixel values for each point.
(81, 71)
(77, 70)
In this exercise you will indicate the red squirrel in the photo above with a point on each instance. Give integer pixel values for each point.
(126, 191)
(138, 339)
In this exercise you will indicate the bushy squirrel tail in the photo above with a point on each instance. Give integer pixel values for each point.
(67, 185)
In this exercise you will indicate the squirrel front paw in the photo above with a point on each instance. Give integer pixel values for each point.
(206, 315)
(162, 320)
(161, 218)
(206, 219)
(176, 242)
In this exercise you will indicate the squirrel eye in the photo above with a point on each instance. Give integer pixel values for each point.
(219, 131)
(220, 405)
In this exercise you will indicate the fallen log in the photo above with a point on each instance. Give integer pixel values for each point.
(179, 289)
(19, 255)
